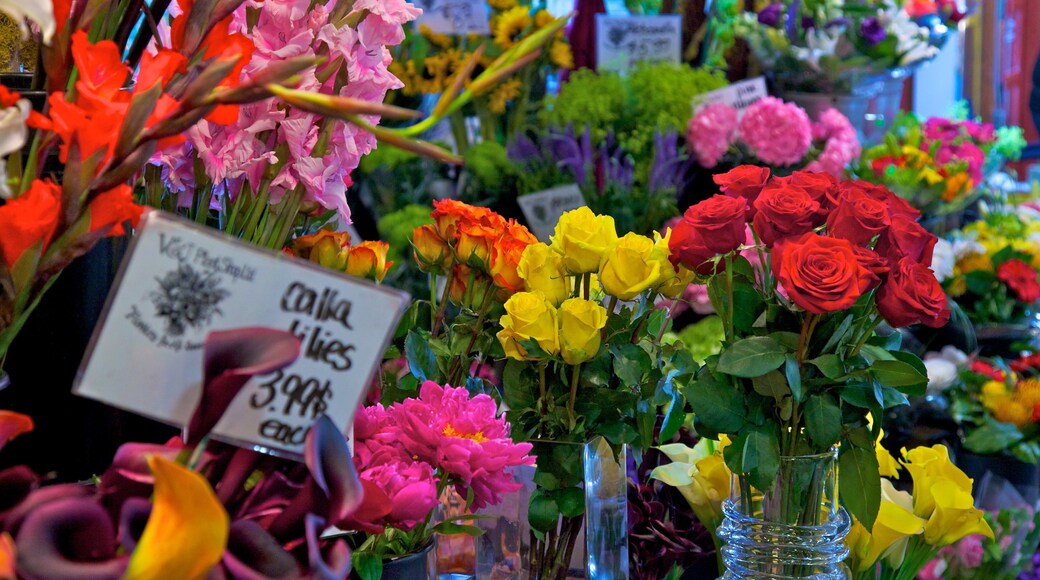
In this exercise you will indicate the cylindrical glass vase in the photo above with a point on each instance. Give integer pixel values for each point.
(795, 529)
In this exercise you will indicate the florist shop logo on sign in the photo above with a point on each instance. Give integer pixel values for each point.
(188, 295)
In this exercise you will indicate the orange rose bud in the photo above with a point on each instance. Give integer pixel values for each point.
(475, 243)
(460, 280)
(329, 249)
(432, 254)
(505, 257)
(368, 260)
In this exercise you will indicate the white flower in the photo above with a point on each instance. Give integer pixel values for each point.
(13, 134)
(943, 260)
(819, 43)
(39, 11)
(941, 374)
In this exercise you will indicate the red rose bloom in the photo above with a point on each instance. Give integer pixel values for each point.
(857, 218)
(1021, 278)
(720, 222)
(744, 181)
(821, 186)
(870, 260)
(819, 273)
(912, 295)
(783, 211)
(906, 238)
(29, 219)
(981, 367)
(687, 247)
(895, 204)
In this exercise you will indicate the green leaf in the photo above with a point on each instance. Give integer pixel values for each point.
(674, 415)
(543, 513)
(421, 361)
(992, 436)
(838, 333)
(752, 357)
(794, 377)
(875, 353)
(822, 420)
(772, 384)
(830, 365)
(894, 373)
(760, 456)
(655, 324)
(630, 362)
(571, 501)
(859, 483)
(519, 391)
(449, 528)
(367, 565)
(718, 405)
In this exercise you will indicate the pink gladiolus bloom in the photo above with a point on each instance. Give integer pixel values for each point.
(463, 438)
(776, 132)
(711, 132)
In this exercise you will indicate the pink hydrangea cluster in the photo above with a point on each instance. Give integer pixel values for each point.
(268, 134)
(443, 436)
(711, 132)
(776, 132)
(840, 143)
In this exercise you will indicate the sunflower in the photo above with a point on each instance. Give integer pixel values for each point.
(436, 39)
(505, 92)
(510, 26)
(501, 5)
(543, 18)
(560, 55)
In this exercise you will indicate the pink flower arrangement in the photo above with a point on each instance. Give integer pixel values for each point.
(775, 133)
(959, 142)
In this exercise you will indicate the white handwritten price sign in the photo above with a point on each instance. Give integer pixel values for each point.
(623, 41)
(454, 16)
(739, 95)
(543, 209)
(180, 281)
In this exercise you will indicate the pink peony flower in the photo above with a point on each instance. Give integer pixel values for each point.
(778, 133)
(711, 132)
(463, 438)
(398, 494)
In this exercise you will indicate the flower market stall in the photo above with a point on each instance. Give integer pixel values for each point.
(411, 289)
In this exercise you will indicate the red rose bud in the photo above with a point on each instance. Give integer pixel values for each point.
(719, 220)
(906, 238)
(819, 273)
(783, 211)
(912, 295)
(744, 181)
(29, 219)
(857, 218)
(1021, 278)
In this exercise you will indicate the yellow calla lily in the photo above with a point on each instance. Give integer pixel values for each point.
(955, 515)
(187, 531)
(701, 476)
(927, 467)
(895, 524)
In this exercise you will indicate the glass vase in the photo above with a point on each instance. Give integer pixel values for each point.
(794, 529)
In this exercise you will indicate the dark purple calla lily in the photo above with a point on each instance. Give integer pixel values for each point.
(133, 517)
(238, 469)
(69, 539)
(335, 562)
(14, 518)
(231, 358)
(269, 497)
(15, 485)
(253, 554)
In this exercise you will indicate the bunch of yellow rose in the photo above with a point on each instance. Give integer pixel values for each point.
(559, 311)
(912, 528)
(333, 250)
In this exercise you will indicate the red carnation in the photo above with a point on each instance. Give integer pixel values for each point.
(783, 211)
(1021, 278)
(912, 295)
(744, 181)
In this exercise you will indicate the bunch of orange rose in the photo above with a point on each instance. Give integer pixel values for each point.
(333, 250)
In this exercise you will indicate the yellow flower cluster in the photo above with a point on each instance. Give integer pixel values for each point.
(993, 239)
(701, 476)
(584, 245)
(940, 512)
(1017, 405)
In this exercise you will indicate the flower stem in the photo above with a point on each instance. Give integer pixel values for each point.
(439, 318)
(866, 335)
(729, 299)
(541, 389)
(433, 299)
(575, 376)
(587, 278)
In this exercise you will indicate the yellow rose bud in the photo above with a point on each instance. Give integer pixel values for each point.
(432, 254)
(328, 249)
(542, 271)
(368, 260)
(580, 324)
(582, 238)
(629, 268)
(529, 316)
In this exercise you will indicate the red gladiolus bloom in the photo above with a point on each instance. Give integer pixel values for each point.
(109, 210)
(29, 219)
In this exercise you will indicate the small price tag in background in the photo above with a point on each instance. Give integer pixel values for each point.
(454, 16)
(624, 41)
(739, 95)
(180, 281)
(543, 209)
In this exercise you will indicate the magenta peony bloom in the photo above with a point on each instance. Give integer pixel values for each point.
(776, 132)
(398, 494)
(463, 438)
(711, 132)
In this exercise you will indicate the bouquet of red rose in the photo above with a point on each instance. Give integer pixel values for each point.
(801, 367)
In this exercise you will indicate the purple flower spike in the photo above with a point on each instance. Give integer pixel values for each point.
(69, 538)
(770, 15)
(232, 357)
(872, 31)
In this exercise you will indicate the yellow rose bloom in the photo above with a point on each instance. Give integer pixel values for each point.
(582, 238)
(673, 282)
(580, 324)
(510, 340)
(542, 271)
(431, 252)
(955, 515)
(529, 316)
(630, 267)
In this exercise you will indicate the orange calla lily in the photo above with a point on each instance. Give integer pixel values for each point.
(12, 425)
(186, 533)
(8, 556)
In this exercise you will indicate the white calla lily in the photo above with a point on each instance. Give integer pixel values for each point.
(39, 11)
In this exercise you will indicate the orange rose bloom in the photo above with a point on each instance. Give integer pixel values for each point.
(368, 260)
(329, 249)
(431, 252)
(475, 243)
(505, 256)
(29, 219)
